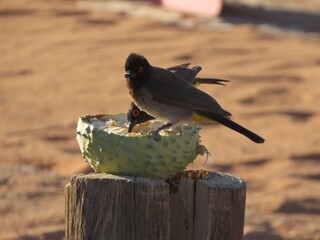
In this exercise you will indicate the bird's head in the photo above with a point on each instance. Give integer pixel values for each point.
(136, 116)
(137, 69)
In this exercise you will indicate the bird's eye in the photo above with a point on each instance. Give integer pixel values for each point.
(135, 113)
(140, 69)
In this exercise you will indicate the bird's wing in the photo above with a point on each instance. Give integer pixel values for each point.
(197, 81)
(173, 68)
(183, 71)
(190, 75)
(168, 88)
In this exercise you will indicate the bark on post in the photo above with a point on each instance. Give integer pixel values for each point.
(200, 205)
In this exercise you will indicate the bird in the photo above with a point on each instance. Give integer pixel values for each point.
(136, 116)
(169, 98)
(189, 75)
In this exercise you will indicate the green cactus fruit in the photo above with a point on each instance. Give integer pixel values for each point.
(108, 147)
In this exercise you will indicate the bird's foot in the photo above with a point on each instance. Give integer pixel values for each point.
(156, 135)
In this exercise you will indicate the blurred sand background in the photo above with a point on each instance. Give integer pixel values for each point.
(59, 62)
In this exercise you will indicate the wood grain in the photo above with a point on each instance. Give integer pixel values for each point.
(104, 206)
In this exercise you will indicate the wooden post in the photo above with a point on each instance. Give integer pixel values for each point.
(197, 205)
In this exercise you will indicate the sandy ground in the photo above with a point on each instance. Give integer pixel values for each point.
(58, 63)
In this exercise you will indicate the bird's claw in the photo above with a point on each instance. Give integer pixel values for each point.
(156, 135)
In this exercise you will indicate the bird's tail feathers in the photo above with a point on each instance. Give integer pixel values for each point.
(231, 124)
(198, 81)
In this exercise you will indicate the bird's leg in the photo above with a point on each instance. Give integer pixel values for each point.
(164, 126)
(156, 133)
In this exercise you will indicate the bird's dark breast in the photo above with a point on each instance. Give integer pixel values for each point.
(134, 91)
(140, 97)
(129, 84)
(144, 100)
(134, 84)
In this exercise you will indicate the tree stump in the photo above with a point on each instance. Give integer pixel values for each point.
(197, 205)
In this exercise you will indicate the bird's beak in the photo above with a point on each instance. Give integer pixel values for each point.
(129, 75)
(130, 126)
